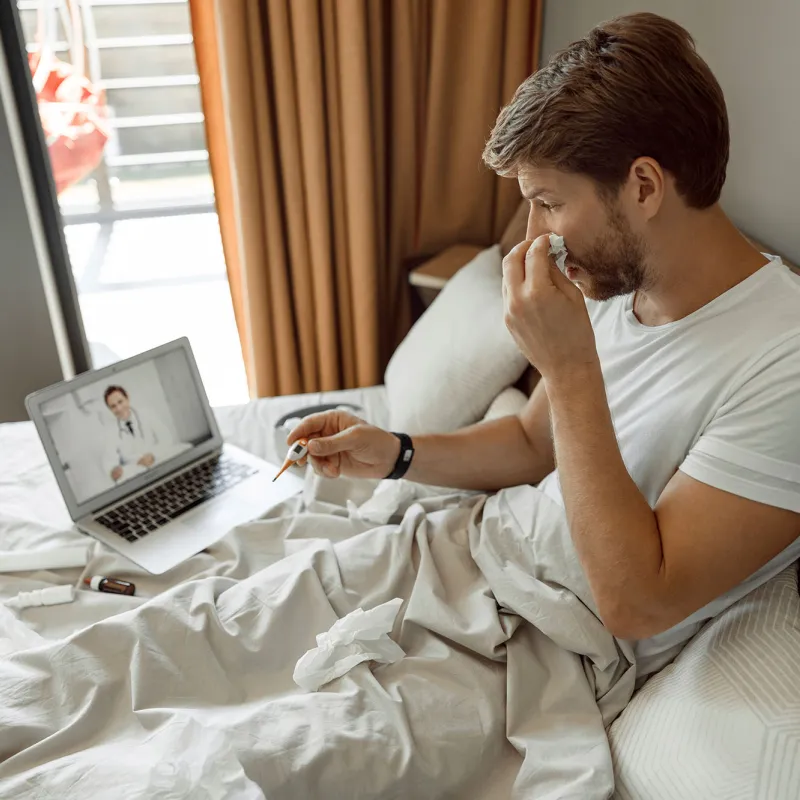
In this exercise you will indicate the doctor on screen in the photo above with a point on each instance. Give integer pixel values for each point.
(140, 437)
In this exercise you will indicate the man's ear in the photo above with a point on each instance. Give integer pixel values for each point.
(647, 184)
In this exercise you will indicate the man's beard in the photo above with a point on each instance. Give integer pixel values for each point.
(615, 263)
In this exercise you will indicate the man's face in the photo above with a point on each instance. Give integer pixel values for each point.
(606, 258)
(119, 405)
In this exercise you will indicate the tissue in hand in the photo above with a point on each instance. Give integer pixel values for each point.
(359, 636)
(558, 250)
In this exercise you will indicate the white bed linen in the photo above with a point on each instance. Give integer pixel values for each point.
(488, 695)
(33, 515)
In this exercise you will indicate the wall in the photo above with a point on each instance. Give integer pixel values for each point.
(752, 49)
(176, 379)
(29, 357)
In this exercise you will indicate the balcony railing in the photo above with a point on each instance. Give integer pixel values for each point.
(141, 53)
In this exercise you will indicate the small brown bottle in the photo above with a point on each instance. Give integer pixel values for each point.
(110, 585)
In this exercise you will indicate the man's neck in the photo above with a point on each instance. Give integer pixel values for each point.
(706, 257)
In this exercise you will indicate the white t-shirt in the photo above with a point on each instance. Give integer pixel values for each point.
(716, 395)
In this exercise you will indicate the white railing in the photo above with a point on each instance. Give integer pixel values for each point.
(113, 158)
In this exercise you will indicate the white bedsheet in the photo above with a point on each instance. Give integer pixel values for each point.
(509, 679)
(33, 515)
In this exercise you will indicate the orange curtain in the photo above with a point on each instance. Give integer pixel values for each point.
(345, 137)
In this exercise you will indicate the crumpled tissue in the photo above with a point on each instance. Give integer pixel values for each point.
(558, 250)
(357, 637)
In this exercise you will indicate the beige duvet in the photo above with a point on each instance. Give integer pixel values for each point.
(507, 686)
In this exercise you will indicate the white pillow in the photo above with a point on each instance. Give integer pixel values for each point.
(723, 720)
(458, 356)
(510, 401)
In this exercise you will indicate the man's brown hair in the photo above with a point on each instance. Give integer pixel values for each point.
(634, 86)
(111, 389)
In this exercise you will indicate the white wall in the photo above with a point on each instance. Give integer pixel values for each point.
(189, 418)
(752, 49)
(29, 357)
(143, 384)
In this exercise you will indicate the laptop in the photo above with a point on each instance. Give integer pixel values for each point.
(140, 461)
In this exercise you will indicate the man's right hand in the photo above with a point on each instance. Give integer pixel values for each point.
(116, 473)
(342, 444)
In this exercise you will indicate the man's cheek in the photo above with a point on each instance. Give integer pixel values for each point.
(573, 233)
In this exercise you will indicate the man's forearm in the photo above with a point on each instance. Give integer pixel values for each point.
(614, 529)
(485, 457)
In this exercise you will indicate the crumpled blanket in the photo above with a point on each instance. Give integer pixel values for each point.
(507, 686)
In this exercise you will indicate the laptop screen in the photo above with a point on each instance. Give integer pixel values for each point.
(110, 431)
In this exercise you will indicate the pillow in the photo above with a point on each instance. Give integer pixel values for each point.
(723, 719)
(458, 356)
(509, 401)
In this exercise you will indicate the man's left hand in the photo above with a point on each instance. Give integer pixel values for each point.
(147, 460)
(545, 311)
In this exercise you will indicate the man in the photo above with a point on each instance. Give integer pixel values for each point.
(669, 353)
(138, 437)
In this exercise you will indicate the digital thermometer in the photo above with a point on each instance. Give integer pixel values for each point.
(297, 452)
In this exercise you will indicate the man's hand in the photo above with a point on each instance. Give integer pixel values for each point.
(343, 444)
(147, 460)
(544, 311)
(116, 473)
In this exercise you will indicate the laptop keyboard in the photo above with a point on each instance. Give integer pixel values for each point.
(167, 501)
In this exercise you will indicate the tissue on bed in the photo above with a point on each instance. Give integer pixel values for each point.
(357, 637)
(558, 250)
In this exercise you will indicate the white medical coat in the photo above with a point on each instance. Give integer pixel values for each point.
(147, 434)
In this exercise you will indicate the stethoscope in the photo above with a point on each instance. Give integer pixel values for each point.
(122, 426)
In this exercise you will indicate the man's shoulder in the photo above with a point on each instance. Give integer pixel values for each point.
(773, 306)
(780, 274)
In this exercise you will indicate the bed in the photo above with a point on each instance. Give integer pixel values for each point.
(509, 687)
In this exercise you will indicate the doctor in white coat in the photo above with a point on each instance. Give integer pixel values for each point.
(140, 438)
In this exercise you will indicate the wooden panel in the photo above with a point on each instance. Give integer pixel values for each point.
(435, 273)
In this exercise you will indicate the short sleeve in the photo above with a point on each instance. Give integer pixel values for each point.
(751, 447)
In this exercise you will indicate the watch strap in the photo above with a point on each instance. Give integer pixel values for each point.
(404, 457)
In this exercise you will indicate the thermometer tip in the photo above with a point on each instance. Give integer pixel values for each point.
(282, 470)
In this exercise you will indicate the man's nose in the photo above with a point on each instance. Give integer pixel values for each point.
(535, 227)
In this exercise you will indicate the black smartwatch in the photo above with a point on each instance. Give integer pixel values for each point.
(404, 458)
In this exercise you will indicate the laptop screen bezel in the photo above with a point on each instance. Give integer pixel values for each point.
(35, 402)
